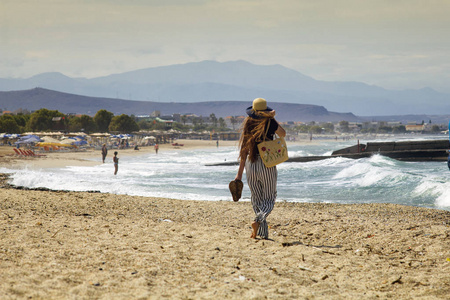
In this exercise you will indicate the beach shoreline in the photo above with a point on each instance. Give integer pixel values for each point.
(87, 245)
(91, 157)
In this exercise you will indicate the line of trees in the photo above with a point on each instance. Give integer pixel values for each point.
(52, 120)
(103, 121)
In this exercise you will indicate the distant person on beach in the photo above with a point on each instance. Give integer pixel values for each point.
(116, 163)
(156, 148)
(261, 180)
(104, 152)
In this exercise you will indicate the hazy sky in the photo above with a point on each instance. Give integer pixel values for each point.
(395, 44)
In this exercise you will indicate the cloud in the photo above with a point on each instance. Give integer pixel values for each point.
(371, 41)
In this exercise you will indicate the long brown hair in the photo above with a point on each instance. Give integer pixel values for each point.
(252, 132)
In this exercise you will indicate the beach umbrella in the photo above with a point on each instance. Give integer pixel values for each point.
(67, 141)
(49, 139)
(99, 134)
(74, 141)
(28, 139)
(78, 141)
(56, 133)
(43, 144)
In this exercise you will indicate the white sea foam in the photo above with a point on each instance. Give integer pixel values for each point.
(371, 171)
(434, 187)
(444, 199)
(184, 175)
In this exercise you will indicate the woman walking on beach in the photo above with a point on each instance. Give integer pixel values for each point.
(261, 180)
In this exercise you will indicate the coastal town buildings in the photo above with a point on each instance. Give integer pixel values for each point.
(233, 123)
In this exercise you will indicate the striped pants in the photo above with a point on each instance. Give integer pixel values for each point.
(262, 182)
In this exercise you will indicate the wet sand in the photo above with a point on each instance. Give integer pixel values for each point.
(61, 245)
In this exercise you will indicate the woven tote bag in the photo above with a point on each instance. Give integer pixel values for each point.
(273, 152)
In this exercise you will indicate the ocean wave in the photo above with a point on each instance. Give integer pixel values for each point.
(184, 175)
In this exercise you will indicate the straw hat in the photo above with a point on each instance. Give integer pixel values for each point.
(259, 104)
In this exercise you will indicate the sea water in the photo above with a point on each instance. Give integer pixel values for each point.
(185, 174)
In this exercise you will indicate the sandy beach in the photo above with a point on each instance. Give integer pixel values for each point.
(79, 245)
(60, 159)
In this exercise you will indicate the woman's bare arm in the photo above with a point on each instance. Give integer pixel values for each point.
(241, 168)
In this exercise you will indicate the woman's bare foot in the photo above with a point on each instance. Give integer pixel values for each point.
(255, 227)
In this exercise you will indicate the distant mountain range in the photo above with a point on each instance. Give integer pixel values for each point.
(210, 81)
(69, 103)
